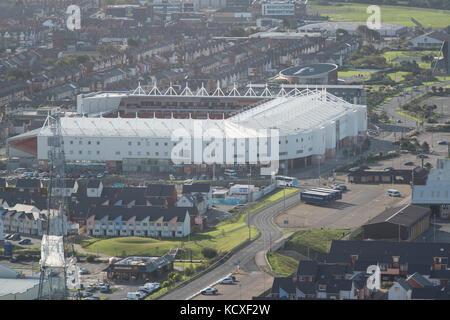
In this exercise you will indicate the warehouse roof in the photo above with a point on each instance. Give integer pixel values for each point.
(405, 216)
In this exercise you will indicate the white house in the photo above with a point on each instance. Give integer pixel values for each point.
(202, 188)
(400, 290)
(66, 189)
(94, 188)
(195, 200)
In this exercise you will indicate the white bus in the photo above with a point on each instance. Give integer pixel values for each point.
(286, 181)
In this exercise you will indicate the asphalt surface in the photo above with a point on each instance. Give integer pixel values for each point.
(244, 258)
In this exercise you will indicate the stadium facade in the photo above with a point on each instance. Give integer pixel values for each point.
(299, 128)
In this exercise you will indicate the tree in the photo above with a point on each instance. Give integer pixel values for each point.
(132, 43)
(425, 147)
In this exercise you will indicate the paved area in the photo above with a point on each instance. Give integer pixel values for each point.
(247, 286)
(439, 231)
(358, 205)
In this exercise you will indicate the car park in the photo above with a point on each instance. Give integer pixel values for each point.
(209, 291)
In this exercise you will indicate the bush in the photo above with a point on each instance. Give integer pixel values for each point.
(165, 284)
(91, 258)
(189, 270)
(200, 268)
(209, 253)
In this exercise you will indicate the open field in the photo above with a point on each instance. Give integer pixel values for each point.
(353, 12)
(316, 240)
(282, 265)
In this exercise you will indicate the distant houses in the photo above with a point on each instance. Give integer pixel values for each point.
(417, 271)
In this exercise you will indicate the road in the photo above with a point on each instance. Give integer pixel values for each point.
(244, 258)
(391, 106)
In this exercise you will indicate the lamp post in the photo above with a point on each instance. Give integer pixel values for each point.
(248, 205)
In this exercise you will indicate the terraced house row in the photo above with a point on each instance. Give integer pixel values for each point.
(29, 220)
(140, 221)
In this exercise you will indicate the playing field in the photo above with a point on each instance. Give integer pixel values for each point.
(389, 14)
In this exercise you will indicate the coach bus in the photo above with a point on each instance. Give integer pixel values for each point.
(286, 181)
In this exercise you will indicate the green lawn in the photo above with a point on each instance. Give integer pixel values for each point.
(353, 12)
(318, 241)
(152, 247)
(390, 56)
(354, 73)
(282, 265)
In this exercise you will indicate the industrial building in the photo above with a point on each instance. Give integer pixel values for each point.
(296, 9)
(313, 74)
(403, 224)
(436, 192)
(310, 126)
(14, 285)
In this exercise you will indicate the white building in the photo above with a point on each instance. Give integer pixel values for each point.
(298, 128)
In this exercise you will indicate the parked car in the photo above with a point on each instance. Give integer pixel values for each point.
(104, 288)
(90, 289)
(25, 241)
(7, 236)
(92, 298)
(393, 193)
(354, 169)
(150, 287)
(227, 280)
(209, 291)
(442, 142)
(399, 121)
(84, 271)
(422, 156)
(15, 237)
(389, 169)
(87, 294)
(138, 295)
(409, 163)
(341, 187)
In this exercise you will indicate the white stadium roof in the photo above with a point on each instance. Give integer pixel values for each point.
(306, 110)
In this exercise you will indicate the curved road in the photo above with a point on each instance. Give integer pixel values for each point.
(245, 257)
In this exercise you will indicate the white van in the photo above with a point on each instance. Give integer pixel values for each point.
(393, 193)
